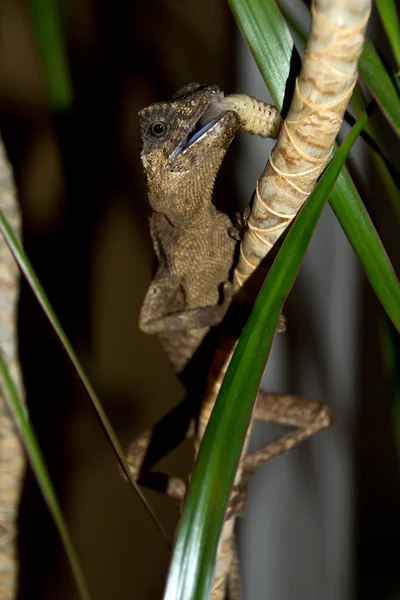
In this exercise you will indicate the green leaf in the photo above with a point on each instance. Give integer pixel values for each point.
(17, 410)
(380, 146)
(357, 225)
(389, 17)
(31, 277)
(50, 43)
(192, 567)
(371, 68)
(390, 352)
(357, 101)
(380, 84)
(269, 40)
(358, 104)
(256, 14)
(295, 25)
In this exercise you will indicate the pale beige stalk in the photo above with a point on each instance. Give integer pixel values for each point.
(256, 117)
(323, 89)
(12, 462)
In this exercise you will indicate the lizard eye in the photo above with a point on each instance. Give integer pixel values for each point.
(158, 128)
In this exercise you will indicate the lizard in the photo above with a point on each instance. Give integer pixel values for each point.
(195, 244)
(184, 143)
(194, 241)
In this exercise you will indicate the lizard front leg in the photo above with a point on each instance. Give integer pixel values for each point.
(155, 321)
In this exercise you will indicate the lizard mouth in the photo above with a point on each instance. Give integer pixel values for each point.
(208, 119)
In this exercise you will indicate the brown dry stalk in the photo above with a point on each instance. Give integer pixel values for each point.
(12, 461)
(323, 89)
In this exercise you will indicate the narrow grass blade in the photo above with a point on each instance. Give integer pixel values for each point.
(390, 19)
(31, 277)
(375, 136)
(269, 40)
(357, 225)
(16, 408)
(192, 566)
(380, 84)
(390, 352)
(50, 43)
(294, 24)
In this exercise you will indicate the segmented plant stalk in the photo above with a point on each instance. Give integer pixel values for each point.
(323, 89)
(256, 117)
(12, 461)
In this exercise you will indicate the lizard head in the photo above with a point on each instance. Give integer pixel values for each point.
(183, 137)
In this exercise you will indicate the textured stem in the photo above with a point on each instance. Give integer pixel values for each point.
(256, 117)
(12, 462)
(323, 89)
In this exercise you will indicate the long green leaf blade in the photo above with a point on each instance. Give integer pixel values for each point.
(358, 104)
(375, 75)
(389, 17)
(28, 437)
(31, 277)
(390, 352)
(269, 40)
(357, 225)
(50, 43)
(192, 566)
(380, 84)
(255, 12)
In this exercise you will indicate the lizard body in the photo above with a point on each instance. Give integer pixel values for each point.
(193, 240)
(184, 143)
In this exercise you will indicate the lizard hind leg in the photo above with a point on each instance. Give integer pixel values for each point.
(305, 416)
(163, 483)
(155, 443)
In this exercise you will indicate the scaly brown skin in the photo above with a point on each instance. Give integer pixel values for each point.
(194, 241)
(195, 246)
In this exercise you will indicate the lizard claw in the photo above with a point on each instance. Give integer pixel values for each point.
(227, 293)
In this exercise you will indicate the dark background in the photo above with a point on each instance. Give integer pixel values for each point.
(82, 192)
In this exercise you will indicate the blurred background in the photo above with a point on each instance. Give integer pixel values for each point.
(322, 521)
